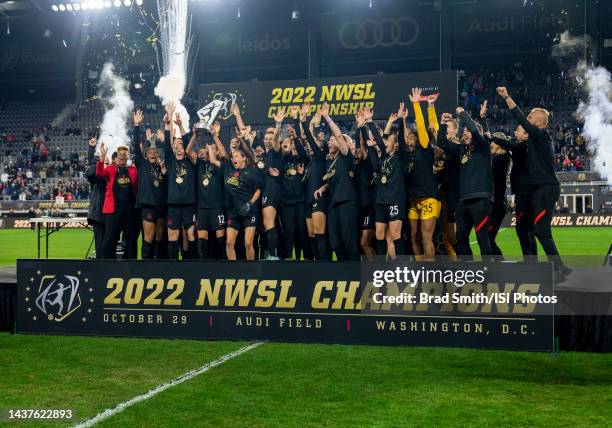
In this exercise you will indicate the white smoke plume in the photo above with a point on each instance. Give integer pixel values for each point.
(114, 92)
(175, 43)
(595, 109)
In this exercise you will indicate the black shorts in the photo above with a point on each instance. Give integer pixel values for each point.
(180, 216)
(150, 213)
(270, 201)
(210, 219)
(319, 205)
(388, 213)
(366, 217)
(239, 222)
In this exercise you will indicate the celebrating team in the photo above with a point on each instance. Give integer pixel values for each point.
(378, 192)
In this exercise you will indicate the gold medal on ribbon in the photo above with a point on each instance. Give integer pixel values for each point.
(179, 180)
(464, 159)
(383, 179)
(351, 174)
(156, 183)
(206, 182)
(261, 164)
(291, 171)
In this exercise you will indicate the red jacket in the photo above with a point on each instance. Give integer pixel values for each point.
(109, 174)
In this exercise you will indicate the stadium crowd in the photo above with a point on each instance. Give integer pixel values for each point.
(30, 168)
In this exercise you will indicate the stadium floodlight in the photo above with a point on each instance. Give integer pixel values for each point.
(69, 7)
(84, 5)
(54, 8)
(107, 4)
(127, 3)
(62, 7)
(76, 6)
(99, 4)
(138, 2)
(92, 5)
(117, 3)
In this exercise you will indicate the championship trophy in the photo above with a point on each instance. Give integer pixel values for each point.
(211, 111)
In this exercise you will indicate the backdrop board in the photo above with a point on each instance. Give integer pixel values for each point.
(327, 302)
(259, 101)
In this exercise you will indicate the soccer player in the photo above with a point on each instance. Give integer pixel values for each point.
(269, 162)
(500, 161)
(543, 181)
(364, 170)
(151, 197)
(343, 217)
(390, 189)
(519, 186)
(243, 184)
(316, 209)
(210, 215)
(422, 188)
(475, 183)
(181, 189)
(119, 203)
(293, 206)
(95, 218)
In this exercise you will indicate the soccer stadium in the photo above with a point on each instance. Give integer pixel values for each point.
(305, 213)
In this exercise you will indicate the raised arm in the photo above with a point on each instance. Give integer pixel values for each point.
(193, 156)
(343, 145)
(215, 130)
(169, 155)
(236, 112)
(368, 114)
(212, 156)
(278, 120)
(390, 123)
(518, 115)
(402, 115)
(432, 117)
(138, 155)
(415, 98)
(297, 142)
(101, 170)
(90, 174)
(483, 117)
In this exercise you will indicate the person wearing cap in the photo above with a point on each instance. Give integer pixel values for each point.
(119, 206)
(151, 198)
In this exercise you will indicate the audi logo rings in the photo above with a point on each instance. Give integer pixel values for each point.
(385, 33)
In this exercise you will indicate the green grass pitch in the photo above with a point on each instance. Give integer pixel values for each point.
(73, 243)
(300, 385)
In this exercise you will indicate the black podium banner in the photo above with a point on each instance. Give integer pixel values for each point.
(259, 101)
(328, 302)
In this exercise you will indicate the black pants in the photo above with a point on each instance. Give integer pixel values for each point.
(295, 234)
(473, 213)
(524, 223)
(498, 212)
(98, 230)
(343, 229)
(125, 220)
(543, 200)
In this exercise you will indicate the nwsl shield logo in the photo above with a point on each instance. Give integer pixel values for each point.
(220, 105)
(58, 296)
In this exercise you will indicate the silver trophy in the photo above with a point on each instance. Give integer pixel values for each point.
(219, 106)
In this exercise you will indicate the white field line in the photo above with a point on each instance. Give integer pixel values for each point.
(176, 381)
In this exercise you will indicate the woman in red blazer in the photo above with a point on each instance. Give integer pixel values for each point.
(119, 207)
